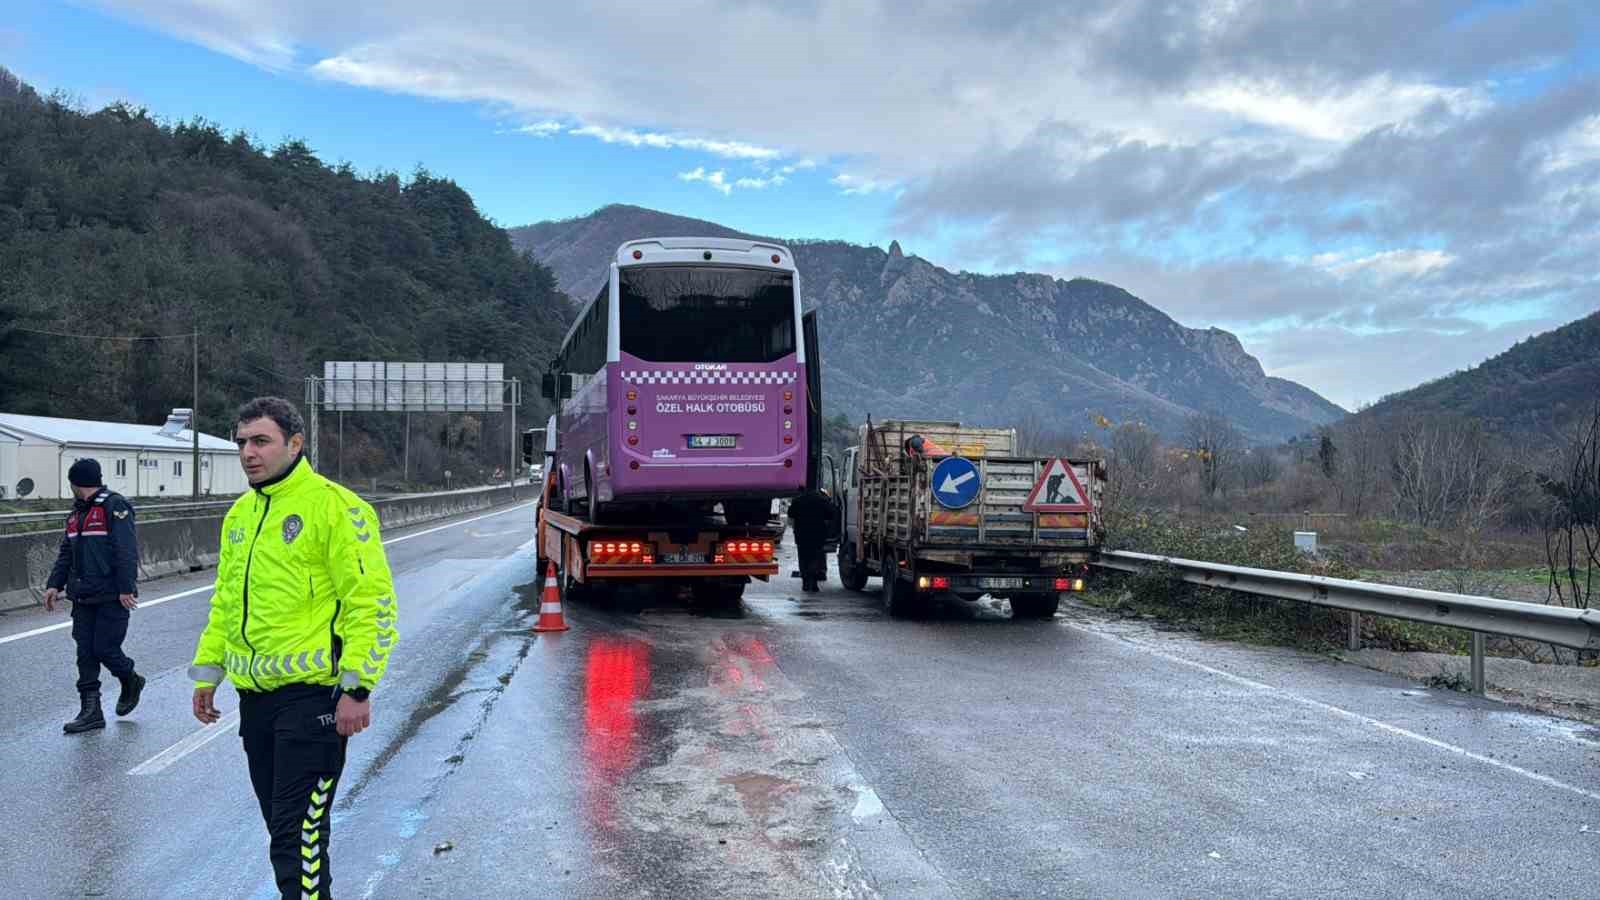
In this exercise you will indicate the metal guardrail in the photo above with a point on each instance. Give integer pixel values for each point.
(1579, 629)
(56, 516)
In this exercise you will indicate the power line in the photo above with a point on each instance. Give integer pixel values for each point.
(108, 337)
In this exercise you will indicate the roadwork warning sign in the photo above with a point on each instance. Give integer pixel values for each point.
(1058, 490)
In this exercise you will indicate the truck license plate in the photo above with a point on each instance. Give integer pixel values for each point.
(683, 558)
(1000, 584)
(713, 441)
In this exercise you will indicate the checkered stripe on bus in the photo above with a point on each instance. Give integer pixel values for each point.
(682, 377)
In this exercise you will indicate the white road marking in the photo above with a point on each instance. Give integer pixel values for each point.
(1345, 713)
(145, 604)
(209, 733)
(68, 624)
(188, 745)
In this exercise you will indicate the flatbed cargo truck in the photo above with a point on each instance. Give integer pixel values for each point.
(938, 508)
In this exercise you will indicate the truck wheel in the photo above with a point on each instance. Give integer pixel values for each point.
(571, 591)
(852, 574)
(718, 595)
(898, 597)
(1034, 606)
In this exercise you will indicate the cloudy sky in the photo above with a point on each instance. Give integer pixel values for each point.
(1369, 193)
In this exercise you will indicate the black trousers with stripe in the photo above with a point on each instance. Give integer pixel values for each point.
(296, 756)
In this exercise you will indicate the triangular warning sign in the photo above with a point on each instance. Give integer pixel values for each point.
(1058, 490)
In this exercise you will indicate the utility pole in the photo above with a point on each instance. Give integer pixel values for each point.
(194, 413)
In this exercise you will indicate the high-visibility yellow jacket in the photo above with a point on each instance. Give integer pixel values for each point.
(303, 593)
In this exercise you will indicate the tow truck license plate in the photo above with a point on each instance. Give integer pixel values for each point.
(713, 441)
(1000, 584)
(683, 558)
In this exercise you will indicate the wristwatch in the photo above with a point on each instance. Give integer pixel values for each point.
(359, 694)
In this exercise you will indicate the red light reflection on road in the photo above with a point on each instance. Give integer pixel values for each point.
(616, 676)
(739, 669)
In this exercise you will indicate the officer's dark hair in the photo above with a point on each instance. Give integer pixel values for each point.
(279, 410)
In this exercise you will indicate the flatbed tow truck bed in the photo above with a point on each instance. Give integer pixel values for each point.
(713, 558)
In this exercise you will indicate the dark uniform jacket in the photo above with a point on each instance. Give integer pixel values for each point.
(99, 554)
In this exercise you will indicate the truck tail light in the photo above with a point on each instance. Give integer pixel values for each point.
(622, 553)
(745, 551)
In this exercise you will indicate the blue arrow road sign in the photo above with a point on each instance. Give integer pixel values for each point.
(956, 483)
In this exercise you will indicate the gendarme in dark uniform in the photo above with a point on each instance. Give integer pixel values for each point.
(97, 568)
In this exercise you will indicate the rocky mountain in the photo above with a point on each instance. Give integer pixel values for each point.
(1528, 390)
(904, 337)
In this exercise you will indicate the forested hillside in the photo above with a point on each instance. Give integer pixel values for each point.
(1529, 390)
(114, 223)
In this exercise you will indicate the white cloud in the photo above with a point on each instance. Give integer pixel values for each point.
(543, 129)
(861, 184)
(717, 180)
(757, 184)
(628, 137)
(1387, 265)
(1578, 146)
(1338, 115)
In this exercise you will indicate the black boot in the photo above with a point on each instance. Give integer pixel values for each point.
(132, 686)
(89, 716)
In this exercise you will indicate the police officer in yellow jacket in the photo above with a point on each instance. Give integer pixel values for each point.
(302, 622)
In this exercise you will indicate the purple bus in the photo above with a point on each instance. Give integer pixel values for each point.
(684, 381)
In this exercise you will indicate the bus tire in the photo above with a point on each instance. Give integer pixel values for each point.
(1035, 606)
(598, 514)
(852, 574)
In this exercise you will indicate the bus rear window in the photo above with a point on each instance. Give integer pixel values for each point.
(675, 314)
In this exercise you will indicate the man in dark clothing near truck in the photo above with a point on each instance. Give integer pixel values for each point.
(809, 512)
(97, 568)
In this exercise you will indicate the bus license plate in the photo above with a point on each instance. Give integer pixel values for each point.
(713, 441)
(1000, 584)
(683, 558)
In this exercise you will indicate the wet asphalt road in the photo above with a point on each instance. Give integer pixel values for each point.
(804, 746)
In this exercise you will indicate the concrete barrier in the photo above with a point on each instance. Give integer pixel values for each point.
(169, 546)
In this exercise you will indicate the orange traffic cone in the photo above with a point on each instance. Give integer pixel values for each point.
(550, 618)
